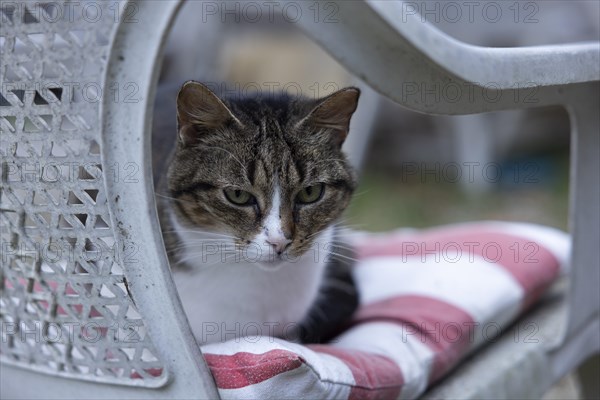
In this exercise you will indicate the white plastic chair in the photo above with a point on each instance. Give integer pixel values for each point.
(109, 137)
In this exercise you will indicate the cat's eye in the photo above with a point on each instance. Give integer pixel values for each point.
(310, 194)
(239, 197)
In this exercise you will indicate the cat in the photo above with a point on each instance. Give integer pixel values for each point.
(254, 188)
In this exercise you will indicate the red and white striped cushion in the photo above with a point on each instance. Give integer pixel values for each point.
(428, 298)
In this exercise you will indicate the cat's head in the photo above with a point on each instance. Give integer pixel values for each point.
(266, 174)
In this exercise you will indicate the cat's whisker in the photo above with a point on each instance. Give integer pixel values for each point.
(222, 260)
(206, 240)
(195, 231)
(346, 263)
(182, 261)
(344, 223)
(348, 233)
(199, 231)
(343, 256)
(217, 238)
(205, 264)
(345, 228)
(316, 233)
(203, 246)
(340, 246)
(362, 192)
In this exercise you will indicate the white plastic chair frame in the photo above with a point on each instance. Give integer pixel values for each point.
(389, 53)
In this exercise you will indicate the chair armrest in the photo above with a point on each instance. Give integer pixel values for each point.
(126, 138)
(417, 65)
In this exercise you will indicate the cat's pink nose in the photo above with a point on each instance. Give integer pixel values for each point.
(279, 243)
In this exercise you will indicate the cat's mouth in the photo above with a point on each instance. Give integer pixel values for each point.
(271, 261)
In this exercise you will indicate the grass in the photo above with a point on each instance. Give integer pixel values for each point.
(383, 201)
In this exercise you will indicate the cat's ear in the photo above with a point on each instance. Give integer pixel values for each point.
(200, 110)
(332, 113)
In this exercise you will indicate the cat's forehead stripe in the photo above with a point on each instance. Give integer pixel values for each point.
(251, 171)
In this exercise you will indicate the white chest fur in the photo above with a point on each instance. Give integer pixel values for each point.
(235, 298)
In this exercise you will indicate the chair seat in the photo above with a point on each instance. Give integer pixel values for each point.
(426, 304)
(518, 365)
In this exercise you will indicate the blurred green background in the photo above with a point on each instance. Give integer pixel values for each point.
(385, 200)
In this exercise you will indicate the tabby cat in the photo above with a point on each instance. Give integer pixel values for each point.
(253, 192)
